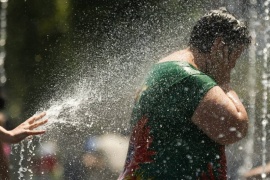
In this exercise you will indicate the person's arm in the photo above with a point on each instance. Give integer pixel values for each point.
(4, 175)
(221, 116)
(24, 130)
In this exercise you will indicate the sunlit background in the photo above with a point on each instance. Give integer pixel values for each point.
(81, 61)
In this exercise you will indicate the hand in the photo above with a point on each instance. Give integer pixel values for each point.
(27, 128)
(220, 64)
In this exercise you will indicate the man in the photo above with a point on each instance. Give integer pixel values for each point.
(186, 112)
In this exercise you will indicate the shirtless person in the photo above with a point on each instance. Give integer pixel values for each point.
(186, 112)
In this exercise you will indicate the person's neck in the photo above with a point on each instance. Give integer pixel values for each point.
(199, 59)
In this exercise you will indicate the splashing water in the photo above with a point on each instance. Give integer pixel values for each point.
(265, 83)
(249, 144)
(101, 100)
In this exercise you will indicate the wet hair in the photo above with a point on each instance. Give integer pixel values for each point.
(219, 23)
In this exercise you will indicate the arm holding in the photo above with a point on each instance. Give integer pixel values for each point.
(221, 116)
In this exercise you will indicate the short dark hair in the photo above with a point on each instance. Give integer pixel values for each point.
(218, 23)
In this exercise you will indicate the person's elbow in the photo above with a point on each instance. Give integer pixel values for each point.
(235, 132)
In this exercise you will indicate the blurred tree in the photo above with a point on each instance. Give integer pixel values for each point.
(36, 31)
(44, 35)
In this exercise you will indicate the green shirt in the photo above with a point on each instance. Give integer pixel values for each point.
(164, 143)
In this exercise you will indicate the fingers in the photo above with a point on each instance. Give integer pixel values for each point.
(35, 132)
(37, 124)
(220, 47)
(214, 47)
(41, 115)
(217, 49)
(222, 52)
(36, 117)
(226, 54)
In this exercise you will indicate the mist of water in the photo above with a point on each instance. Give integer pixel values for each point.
(100, 100)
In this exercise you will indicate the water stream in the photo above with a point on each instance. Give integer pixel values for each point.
(3, 35)
(265, 84)
(100, 101)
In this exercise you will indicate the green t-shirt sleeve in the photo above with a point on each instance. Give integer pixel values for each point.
(194, 88)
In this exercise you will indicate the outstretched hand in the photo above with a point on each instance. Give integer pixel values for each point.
(27, 128)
